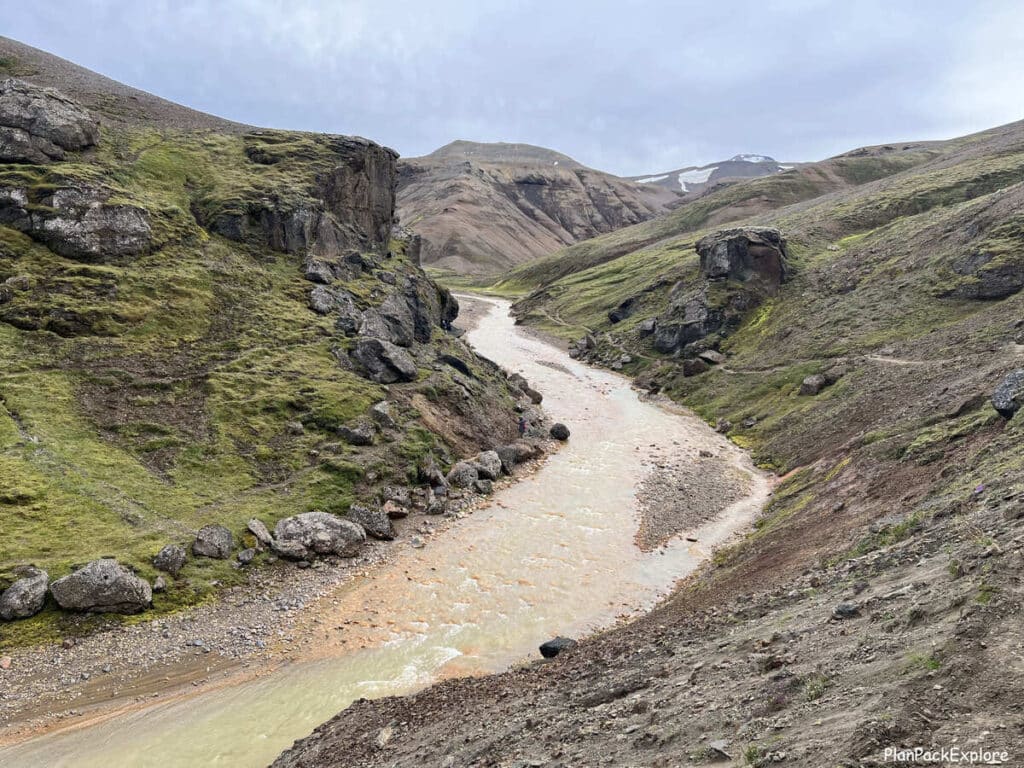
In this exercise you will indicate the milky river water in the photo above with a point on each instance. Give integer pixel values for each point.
(552, 554)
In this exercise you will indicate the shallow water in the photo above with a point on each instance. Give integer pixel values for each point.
(552, 554)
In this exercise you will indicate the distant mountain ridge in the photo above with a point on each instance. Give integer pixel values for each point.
(694, 179)
(483, 208)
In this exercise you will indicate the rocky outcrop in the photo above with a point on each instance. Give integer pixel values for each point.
(384, 362)
(102, 586)
(37, 125)
(26, 596)
(79, 223)
(739, 269)
(303, 537)
(350, 206)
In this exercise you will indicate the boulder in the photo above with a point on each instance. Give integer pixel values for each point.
(483, 486)
(360, 434)
(517, 381)
(507, 455)
(159, 584)
(394, 510)
(845, 611)
(694, 366)
(317, 533)
(382, 415)
(648, 326)
(398, 494)
(552, 648)
(428, 471)
(712, 357)
(213, 541)
(38, 124)
(384, 362)
(744, 254)
(488, 465)
(258, 529)
(26, 596)
(246, 556)
(318, 271)
(463, 474)
(170, 559)
(375, 522)
(812, 385)
(102, 586)
(559, 431)
(1009, 395)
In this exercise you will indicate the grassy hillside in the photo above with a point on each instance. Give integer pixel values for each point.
(145, 395)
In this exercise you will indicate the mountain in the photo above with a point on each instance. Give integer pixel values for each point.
(857, 325)
(202, 323)
(693, 179)
(482, 208)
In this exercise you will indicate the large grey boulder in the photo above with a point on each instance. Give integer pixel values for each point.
(559, 431)
(463, 474)
(26, 596)
(375, 522)
(383, 361)
(102, 586)
(170, 559)
(317, 533)
(1009, 395)
(213, 541)
(744, 254)
(488, 465)
(38, 124)
(259, 529)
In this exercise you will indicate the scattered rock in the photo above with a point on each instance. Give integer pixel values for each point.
(5, 662)
(375, 522)
(170, 559)
(712, 357)
(1009, 395)
(258, 529)
(517, 381)
(552, 648)
(384, 362)
(381, 414)
(845, 611)
(26, 596)
(360, 434)
(213, 541)
(102, 586)
(317, 533)
(559, 431)
(159, 584)
(246, 556)
(694, 366)
(483, 486)
(812, 385)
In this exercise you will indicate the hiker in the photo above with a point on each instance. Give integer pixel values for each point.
(522, 426)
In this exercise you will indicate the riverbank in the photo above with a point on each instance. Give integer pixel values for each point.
(552, 555)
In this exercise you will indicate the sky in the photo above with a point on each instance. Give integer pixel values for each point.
(629, 87)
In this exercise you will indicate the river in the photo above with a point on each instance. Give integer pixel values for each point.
(551, 554)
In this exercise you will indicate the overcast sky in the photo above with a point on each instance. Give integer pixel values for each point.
(630, 87)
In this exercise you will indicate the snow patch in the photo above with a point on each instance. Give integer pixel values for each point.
(752, 159)
(696, 176)
(652, 179)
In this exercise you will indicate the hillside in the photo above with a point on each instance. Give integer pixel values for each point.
(856, 324)
(482, 208)
(201, 324)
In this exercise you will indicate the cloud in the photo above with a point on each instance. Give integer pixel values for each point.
(632, 86)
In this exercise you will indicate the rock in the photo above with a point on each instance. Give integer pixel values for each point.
(381, 414)
(416, 542)
(159, 584)
(559, 431)
(5, 662)
(524, 451)
(213, 541)
(317, 533)
(712, 357)
(436, 507)
(1009, 395)
(507, 456)
(722, 426)
(170, 559)
(394, 510)
(463, 474)
(648, 326)
(102, 586)
(488, 465)
(517, 381)
(375, 522)
(623, 310)
(694, 367)
(257, 528)
(38, 124)
(483, 486)
(383, 361)
(360, 434)
(812, 385)
(246, 556)
(743, 254)
(26, 596)
(428, 471)
(989, 276)
(845, 611)
(397, 494)
(552, 648)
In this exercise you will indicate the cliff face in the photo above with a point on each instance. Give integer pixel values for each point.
(202, 323)
(481, 208)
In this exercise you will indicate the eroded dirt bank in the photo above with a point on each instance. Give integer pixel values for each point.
(554, 554)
